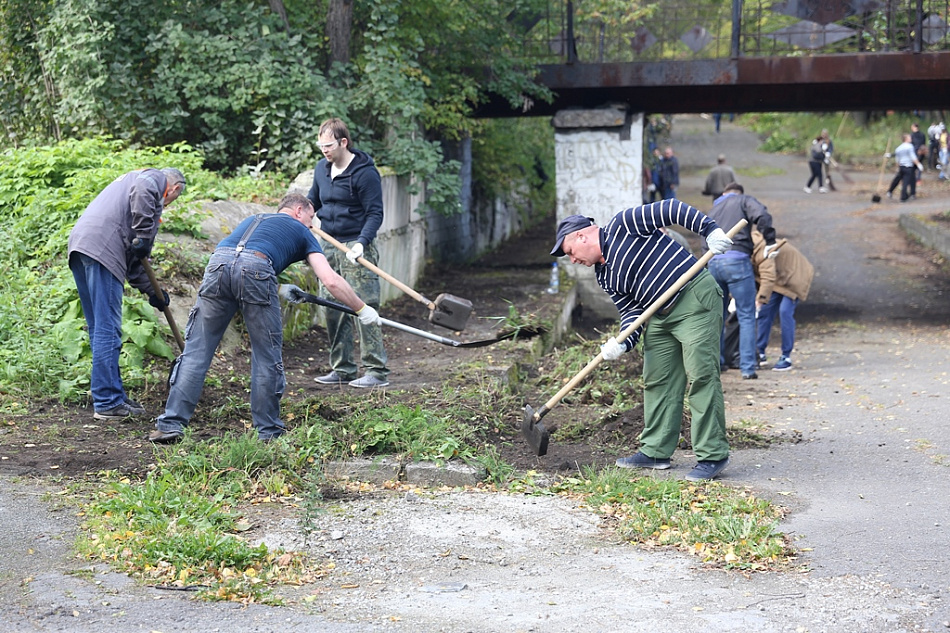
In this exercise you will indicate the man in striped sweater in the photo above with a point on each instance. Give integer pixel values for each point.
(635, 262)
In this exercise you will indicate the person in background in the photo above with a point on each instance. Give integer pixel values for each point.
(919, 140)
(669, 174)
(106, 247)
(784, 282)
(347, 193)
(242, 275)
(933, 135)
(733, 271)
(635, 263)
(817, 155)
(719, 176)
(907, 167)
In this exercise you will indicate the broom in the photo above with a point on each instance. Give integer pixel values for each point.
(880, 179)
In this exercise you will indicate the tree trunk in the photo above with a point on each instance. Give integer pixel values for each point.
(277, 6)
(339, 22)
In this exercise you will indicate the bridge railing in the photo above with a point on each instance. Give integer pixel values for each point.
(670, 30)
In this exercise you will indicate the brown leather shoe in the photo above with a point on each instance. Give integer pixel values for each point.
(165, 437)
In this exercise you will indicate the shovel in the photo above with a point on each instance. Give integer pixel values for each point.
(536, 434)
(447, 310)
(521, 333)
(167, 310)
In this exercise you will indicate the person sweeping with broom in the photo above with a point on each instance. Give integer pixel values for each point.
(635, 262)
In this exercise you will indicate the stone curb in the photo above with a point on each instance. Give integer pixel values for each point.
(929, 233)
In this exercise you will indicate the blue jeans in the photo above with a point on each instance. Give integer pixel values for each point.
(231, 282)
(736, 278)
(785, 308)
(100, 295)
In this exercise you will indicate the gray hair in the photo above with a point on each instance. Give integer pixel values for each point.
(174, 177)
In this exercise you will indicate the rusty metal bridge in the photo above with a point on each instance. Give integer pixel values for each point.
(681, 56)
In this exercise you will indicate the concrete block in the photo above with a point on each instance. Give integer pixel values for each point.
(375, 471)
(451, 474)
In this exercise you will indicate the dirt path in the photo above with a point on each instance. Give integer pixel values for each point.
(866, 486)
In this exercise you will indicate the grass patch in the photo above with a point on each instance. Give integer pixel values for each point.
(722, 526)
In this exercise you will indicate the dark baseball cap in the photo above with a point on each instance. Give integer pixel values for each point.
(567, 226)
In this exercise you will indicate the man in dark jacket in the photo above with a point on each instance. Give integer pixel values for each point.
(669, 174)
(106, 247)
(347, 194)
(733, 269)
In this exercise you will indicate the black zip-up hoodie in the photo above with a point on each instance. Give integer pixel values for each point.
(350, 206)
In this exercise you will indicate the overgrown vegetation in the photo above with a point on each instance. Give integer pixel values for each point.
(248, 83)
(181, 524)
(43, 191)
(723, 526)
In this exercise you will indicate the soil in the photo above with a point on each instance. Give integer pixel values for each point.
(853, 434)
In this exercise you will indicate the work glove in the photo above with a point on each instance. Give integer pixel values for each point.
(367, 315)
(290, 293)
(771, 251)
(718, 242)
(355, 251)
(887, 155)
(159, 303)
(141, 247)
(612, 349)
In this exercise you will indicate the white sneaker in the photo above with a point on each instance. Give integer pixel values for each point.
(822, 190)
(807, 190)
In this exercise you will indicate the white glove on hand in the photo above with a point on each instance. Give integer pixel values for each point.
(718, 242)
(290, 293)
(355, 251)
(367, 315)
(771, 251)
(612, 349)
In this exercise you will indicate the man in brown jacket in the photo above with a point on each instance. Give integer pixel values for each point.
(784, 280)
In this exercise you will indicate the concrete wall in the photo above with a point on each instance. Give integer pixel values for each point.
(599, 158)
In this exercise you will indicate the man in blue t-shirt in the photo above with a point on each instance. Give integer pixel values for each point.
(242, 275)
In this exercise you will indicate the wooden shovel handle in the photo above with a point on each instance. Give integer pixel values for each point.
(369, 265)
(167, 310)
(684, 279)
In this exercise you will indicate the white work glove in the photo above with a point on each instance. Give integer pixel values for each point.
(718, 242)
(887, 155)
(291, 293)
(367, 315)
(355, 251)
(771, 251)
(612, 349)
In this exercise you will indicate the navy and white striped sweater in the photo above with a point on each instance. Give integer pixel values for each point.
(642, 262)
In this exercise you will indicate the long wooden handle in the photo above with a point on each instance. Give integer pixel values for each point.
(880, 178)
(684, 279)
(166, 309)
(409, 291)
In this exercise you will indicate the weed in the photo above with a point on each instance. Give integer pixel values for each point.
(721, 525)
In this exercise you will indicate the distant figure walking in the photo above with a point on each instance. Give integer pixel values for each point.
(818, 154)
(719, 176)
(907, 166)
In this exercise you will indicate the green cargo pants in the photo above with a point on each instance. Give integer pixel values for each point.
(341, 327)
(682, 348)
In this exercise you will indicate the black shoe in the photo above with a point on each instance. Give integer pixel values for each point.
(120, 412)
(751, 376)
(135, 407)
(165, 437)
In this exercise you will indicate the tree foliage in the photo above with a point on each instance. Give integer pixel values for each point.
(232, 80)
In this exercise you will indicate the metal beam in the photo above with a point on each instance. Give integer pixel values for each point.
(865, 81)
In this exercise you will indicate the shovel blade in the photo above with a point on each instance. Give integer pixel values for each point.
(450, 312)
(534, 432)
